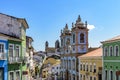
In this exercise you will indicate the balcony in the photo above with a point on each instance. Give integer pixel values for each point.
(3, 56)
(15, 59)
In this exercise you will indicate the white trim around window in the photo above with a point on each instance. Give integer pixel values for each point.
(3, 46)
(19, 47)
(111, 76)
(105, 51)
(110, 49)
(19, 74)
(9, 49)
(116, 53)
(9, 74)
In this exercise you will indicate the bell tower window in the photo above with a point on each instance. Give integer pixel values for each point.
(81, 38)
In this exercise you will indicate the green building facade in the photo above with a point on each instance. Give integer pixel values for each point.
(25, 70)
(15, 60)
(111, 59)
(17, 66)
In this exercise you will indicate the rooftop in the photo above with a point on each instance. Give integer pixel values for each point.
(94, 53)
(112, 39)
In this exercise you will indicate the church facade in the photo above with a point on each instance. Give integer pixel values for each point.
(74, 43)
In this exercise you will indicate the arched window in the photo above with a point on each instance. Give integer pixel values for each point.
(94, 68)
(81, 66)
(111, 74)
(81, 38)
(111, 51)
(73, 38)
(106, 73)
(90, 67)
(105, 51)
(116, 49)
(86, 67)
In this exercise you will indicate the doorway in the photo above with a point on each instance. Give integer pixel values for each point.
(1, 73)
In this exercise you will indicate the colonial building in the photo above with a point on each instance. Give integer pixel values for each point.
(111, 59)
(15, 30)
(29, 54)
(90, 67)
(74, 43)
(3, 57)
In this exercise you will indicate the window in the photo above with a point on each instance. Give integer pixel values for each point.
(94, 68)
(116, 50)
(73, 38)
(81, 76)
(83, 67)
(117, 77)
(11, 76)
(90, 67)
(73, 64)
(84, 77)
(86, 67)
(90, 77)
(17, 50)
(111, 51)
(1, 48)
(17, 75)
(1, 73)
(73, 48)
(111, 75)
(80, 66)
(10, 50)
(81, 38)
(105, 75)
(105, 51)
(73, 76)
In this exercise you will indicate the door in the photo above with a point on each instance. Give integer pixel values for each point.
(1, 73)
(100, 76)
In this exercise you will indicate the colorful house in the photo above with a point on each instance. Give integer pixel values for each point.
(29, 54)
(15, 60)
(90, 67)
(111, 59)
(15, 30)
(3, 57)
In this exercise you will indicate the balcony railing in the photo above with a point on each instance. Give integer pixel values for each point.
(3, 56)
(14, 59)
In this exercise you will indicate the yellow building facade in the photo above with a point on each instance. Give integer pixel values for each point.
(90, 67)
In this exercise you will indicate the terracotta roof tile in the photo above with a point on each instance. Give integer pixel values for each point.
(96, 52)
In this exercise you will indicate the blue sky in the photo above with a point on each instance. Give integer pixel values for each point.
(47, 17)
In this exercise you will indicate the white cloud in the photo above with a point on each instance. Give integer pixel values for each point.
(90, 27)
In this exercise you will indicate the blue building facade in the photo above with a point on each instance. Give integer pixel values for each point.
(3, 59)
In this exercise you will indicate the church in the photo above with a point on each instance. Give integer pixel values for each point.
(74, 43)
